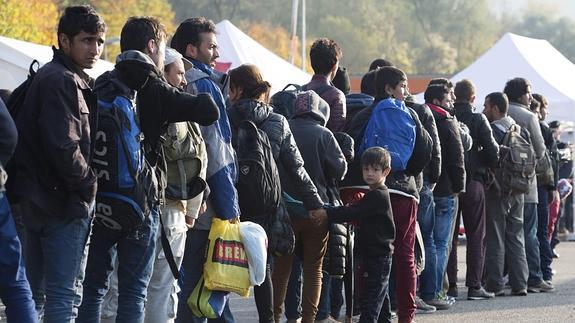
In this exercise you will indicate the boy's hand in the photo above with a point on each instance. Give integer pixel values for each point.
(190, 222)
(319, 216)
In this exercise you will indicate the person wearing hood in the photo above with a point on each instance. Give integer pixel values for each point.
(249, 95)
(138, 75)
(504, 238)
(450, 183)
(325, 163)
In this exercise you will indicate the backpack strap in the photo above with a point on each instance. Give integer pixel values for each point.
(322, 89)
(168, 249)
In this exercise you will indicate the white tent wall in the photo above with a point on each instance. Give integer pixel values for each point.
(549, 72)
(17, 55)
(237, 48)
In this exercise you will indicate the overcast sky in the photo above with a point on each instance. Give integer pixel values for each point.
(560, 7)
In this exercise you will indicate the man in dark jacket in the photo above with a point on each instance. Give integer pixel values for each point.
(138, 70)
(54, 181)
(450, 183)
(392, 82)
(483, 154)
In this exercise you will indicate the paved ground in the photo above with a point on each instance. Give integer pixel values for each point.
(551, 307)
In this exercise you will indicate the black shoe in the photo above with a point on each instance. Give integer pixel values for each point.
(478, 293)
(519, 292)
(452, 291)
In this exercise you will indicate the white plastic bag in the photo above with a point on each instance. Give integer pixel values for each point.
(255, 243)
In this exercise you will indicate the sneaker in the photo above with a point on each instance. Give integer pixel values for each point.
(532, 289)
(440, 304)
(393, 315)
(422, 307)
(542, 287)
(294, 320)
(519, 292)
(452, 291)
(554, 254)
(478, 293)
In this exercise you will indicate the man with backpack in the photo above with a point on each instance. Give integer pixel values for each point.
(54, 182)
(482, 155)
(134, 102)
(390, 83)
(518, 90)
(325, 55)
(504, 239)
(450, 183)
(196, 40)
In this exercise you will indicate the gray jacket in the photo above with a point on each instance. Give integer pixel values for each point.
(526, 119)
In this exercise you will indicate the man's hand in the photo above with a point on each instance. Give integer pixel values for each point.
(319, 216)
(203, 208)
(190, 222)
(235, 220)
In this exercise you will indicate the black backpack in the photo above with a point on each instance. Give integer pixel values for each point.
(516, 162)
(354, 103)
(259, 187)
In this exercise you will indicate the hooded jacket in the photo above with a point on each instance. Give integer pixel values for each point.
(323, 158)
(485, 151)
(452, 178)
(54, 148)
(284, 148)
(8, 134)
(433, 169)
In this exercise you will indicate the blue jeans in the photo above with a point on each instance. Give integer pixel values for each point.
(56, 255)
(445, 210)
(426, 220)
(14, 288)
(375, 296)
(532, 243)
(336, 287)
(135, 252)
(545, 252)
(191, 270)
(324, 306)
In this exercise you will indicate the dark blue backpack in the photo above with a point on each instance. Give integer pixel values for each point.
(127, 187)
(392, 127)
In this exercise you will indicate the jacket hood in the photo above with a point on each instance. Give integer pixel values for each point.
(252, 110)
(309, 104)
(439, 112)
(463, 109)
(504, 123)
(134, 68)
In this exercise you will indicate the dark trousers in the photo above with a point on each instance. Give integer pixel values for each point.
(263, 295)
(472, 207)
(375, 306)
(545, 253)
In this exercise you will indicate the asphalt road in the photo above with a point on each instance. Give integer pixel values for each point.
(558, 306)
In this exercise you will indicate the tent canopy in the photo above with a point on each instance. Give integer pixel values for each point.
(549, 72)
(237, 48)
(16, 56)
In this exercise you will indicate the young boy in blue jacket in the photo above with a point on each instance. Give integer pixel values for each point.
(374, 214)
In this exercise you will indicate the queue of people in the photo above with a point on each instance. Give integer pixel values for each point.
(114, 183)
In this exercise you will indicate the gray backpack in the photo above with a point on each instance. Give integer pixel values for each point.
(516, 163)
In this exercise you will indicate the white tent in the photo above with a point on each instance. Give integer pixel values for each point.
(237, 48)
(16, 56)
(549, 72)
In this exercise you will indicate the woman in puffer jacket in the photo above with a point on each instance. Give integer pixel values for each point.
(249, 95)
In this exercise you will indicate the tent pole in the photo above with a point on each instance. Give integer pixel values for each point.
(293, 47)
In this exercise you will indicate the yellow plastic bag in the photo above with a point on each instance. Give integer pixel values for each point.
(226, 266)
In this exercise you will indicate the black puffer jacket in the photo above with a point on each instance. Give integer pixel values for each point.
(433, 169)
(452, 179)
(485, 151)
(334, 259)
(285, 151)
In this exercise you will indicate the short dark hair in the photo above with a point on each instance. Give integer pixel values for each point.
(534, 106)
(515, 88)
(500, 100)
(436, 90)
(441, 80)
(76, 19)
(387, 75)
(379, 62)
(324, 54)
(541, 99)
(368, 83)
(189, 31)
(376, 156)
(464, 90)
(138, 31)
